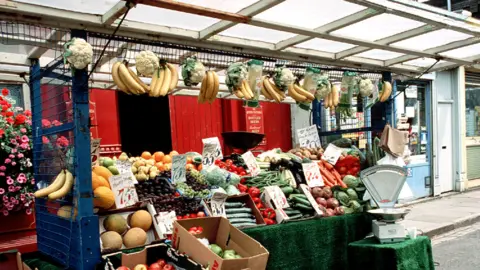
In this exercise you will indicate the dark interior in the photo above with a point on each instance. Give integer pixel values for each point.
(144, 124)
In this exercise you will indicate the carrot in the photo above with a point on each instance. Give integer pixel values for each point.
(328, 165)
(326, 182)
(320, 164)
(336, 174)
(327, 175)
(342, 184)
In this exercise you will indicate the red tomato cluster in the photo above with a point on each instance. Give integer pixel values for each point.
(348, 165)
(229, 166)
(197, 215)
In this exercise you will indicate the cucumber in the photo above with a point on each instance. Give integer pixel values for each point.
(242, 220)
(229, 211)
(244, 224)
(240, 215)
(233, 204)
(295, 216)
(298, 196)
(300, 200)
(292, 212)
(303, 207)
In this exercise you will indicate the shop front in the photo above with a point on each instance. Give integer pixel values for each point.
(472, 123)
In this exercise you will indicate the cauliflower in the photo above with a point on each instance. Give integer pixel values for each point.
(78, 53)
(283, 78)
(193, 71)
(366, 87)
(146, 63)
(324, 87)
(236, 73)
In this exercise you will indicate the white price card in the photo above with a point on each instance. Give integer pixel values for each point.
(216, 141)
(251, 163)
(178, 168)
(165, 221)
(95, 150)
(312, 174)
(210, 153)
(124, 190)
(217, 204)
(125, 167)
(308, 137)
(332, 153)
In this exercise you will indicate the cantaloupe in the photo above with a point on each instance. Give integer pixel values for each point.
(66, 212)
(99, 181)
(103, 197)
(102, 171)
(135, 237)
(115, 223)
(141, 219)
(111, 240)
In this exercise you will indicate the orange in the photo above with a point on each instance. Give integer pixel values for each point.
(189, 160)
(158, 156)
(199, 167)
(167, 166)
(173, 153)
(146, 155)
(189, 167)
(160, 166)
(167, 159)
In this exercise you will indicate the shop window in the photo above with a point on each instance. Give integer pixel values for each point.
(472, 113)
(16, 94)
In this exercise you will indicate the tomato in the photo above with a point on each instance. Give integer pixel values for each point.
(229, 162)
(186, 216)
(199, 230)
(222, 166)
(342, 170)
(240, 169)
(233, 168)
(243, 173)
(200, 214)
(217, 161)
(179, 217)
(193, 215)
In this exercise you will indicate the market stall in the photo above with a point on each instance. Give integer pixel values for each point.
(211, 52)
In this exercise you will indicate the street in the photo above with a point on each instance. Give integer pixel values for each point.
(458, 249)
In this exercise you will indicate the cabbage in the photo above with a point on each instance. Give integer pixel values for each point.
(347, 210)
(220, 178)
(352, 194)
(342, 197)
(356, 206)
(351, 181)
(193, 71)
(232, 190)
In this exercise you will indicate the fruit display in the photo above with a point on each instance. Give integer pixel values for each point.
(59, 188)
(195, 186)
(209, 88)
(181, 205)
(236, 81)
(154, 188)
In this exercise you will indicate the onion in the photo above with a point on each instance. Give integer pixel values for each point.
(317, 192)
(327, 193)
(339, 211)
(332, 203)
(330, 212)
(321, 201)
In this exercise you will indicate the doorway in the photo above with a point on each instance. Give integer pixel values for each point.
(144, 124)
(444, 146)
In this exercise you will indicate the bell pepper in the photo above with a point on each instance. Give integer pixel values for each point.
(242, 188)
(254, 192)
(257, 200)
(269, 213)
(260, 205)
(269, 221)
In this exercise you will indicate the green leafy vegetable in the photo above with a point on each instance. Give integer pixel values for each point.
(342, 197)
(193, 71)
(236, 73)
(352, 194)
(351, 181)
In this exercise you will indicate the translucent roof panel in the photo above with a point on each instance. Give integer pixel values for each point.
(308, 13)
(378, 27)
(84, 6)
(432, 39)
(379, 54)
(256, 33)
(463, 52)
(325, 45)
(423, 62)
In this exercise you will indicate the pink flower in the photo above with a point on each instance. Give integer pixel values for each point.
(16, 202)
(7, 161)
(20, 155)
(10, 181)
(45, 140)
(18, 188)
(14, 163)
(25, 138)
(46, 123)
(14, 150)
(28, 211)
(23, 130)
(13, 141)
(2, 191)
(22, 197)
(11, 188)
(5, 212)
(3, 168)
(2, 174)
(12, 199)
(62, 141)
(10, 207)
(5, 198)
(11, 156)
(32, 182)
(56, 123)
(25, 145)
(22, 175)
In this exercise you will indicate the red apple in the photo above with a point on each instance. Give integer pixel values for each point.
(161, 262)
(123, 268)
(141, 267)
(155, 266)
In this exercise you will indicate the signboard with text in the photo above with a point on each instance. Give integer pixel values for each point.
(254, 122)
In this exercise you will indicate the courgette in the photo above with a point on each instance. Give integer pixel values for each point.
(242, 220)
(233, 204)
(229, 211)
(303, 207)
(295, 216)
(240, 215)
(301, 200)
(244, 224)
(287, 190)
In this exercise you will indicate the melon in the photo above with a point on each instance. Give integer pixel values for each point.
(111, 240)
(135, 237)
(103, 197)
(141, 219)
(113, 170)
(99, 181)
(66, 212)
(102, 171)
(115, 223)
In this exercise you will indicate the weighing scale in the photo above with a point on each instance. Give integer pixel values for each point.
(384, 183)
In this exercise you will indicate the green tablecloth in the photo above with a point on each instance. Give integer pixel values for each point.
(312, 244)
(410, 254)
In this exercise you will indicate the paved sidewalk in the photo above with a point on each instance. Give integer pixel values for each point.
(445, 214)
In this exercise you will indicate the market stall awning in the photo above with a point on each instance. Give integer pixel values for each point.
(401, 36)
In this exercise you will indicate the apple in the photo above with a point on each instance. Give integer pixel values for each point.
(161, 262)
(123, 268)
(155, 266)
(140, 267)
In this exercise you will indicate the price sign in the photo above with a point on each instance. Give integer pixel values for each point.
(312, 174)
(217, 204)
(210, 153)
(124, 190)
(251, 163)
(165, 221)
(331, 154)
(308, 137)
(95, 150)
(125, 167)
(216, 141)
(178, 168)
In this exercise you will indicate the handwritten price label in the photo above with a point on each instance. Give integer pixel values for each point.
(95, 150)
(312, 174)
(125, 167)
(332, 154)
(217, 204)
(124, 190)
(178, 168)
(308, 137)
(165, 221)
(251, 163)
(210, 153)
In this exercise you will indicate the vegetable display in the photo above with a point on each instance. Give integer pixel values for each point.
(78, 53)
(239, 214)
(193, 71)
(236, 81)
(283, 78)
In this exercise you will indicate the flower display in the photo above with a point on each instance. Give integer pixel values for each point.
(16, 169)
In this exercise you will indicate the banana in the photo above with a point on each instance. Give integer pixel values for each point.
(155, 77)
(238, 93)
(326, 101)
(65, 188)
(216, 86)
(210, 85)
(296, 96)
(335, 95)
(248, 89)
(116, 78)
(54, 186)
(304, 92)
(166, 82)
(130, 82)
(158, 85)
(174, 81)
(387, 91)
(268, 86)
(145, 87)
(264, 91)
(203, 90)
(246, 95)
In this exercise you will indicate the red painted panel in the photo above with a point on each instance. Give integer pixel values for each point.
(191, 122)
(277, 125)
(106, 116)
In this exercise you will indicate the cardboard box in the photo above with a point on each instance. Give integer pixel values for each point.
(147, 256)
(274, 198)
(218, 230)
(248, 201)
